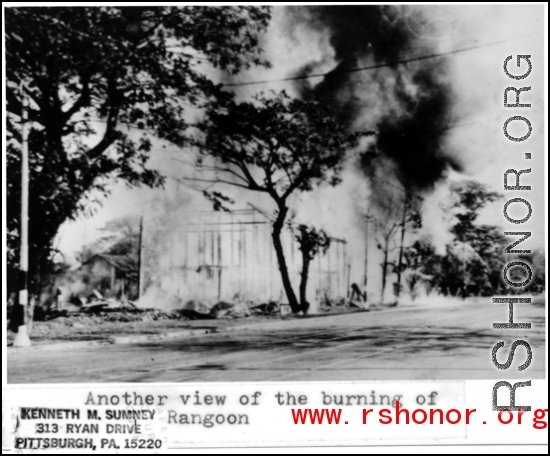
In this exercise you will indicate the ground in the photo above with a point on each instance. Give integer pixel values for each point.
(96, 328)
(79, 327)
(447, 341)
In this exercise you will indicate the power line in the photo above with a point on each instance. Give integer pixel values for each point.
(380, 65)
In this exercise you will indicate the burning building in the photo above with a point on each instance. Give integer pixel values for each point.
(113, 275)
(213, 255)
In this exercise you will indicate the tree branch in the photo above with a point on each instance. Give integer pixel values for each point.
(213, 168)
(293, 186)
(82, 101)
(216, 181)
(110, 132)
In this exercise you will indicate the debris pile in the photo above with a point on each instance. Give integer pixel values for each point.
(174, 308)
(269, 308)
(92, 326)
(197, 311)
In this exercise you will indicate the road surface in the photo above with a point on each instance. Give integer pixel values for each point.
(415, 343)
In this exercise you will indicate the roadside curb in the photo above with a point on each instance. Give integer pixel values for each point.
(142, 338)
(120, 340)
(61, 346)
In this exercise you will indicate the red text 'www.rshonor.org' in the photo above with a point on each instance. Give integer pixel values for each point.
(419, 416)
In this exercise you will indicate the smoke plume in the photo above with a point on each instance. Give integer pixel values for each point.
(408, 105)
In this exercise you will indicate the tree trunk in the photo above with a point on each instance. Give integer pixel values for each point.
(276, 235)
(384, 273)
(303, 282)
(400, 264)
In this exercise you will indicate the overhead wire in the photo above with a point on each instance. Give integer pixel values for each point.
(379, 65)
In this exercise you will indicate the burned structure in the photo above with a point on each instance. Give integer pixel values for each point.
(213, 256)
(113, 275)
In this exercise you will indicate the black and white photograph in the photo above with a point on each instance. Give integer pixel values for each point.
(274, 193)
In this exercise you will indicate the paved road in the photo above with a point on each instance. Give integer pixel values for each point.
(436, 342)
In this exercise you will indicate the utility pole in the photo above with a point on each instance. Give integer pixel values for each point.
(463, 271)
(366, 250)
(400, 263)
(140, 247)
(22, 338)
(367, 235)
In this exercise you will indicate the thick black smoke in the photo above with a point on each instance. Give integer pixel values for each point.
(408, 105)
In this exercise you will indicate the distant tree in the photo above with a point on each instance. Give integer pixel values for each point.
(459, 267)
(395, 215)
(120, 236)
(422, 266)
(468, 198)
(538, 266)
(278, 146)
(476, 258)
(311, 242)
(411, 221)
(537, 284)
(125, 231)
(92, 72)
